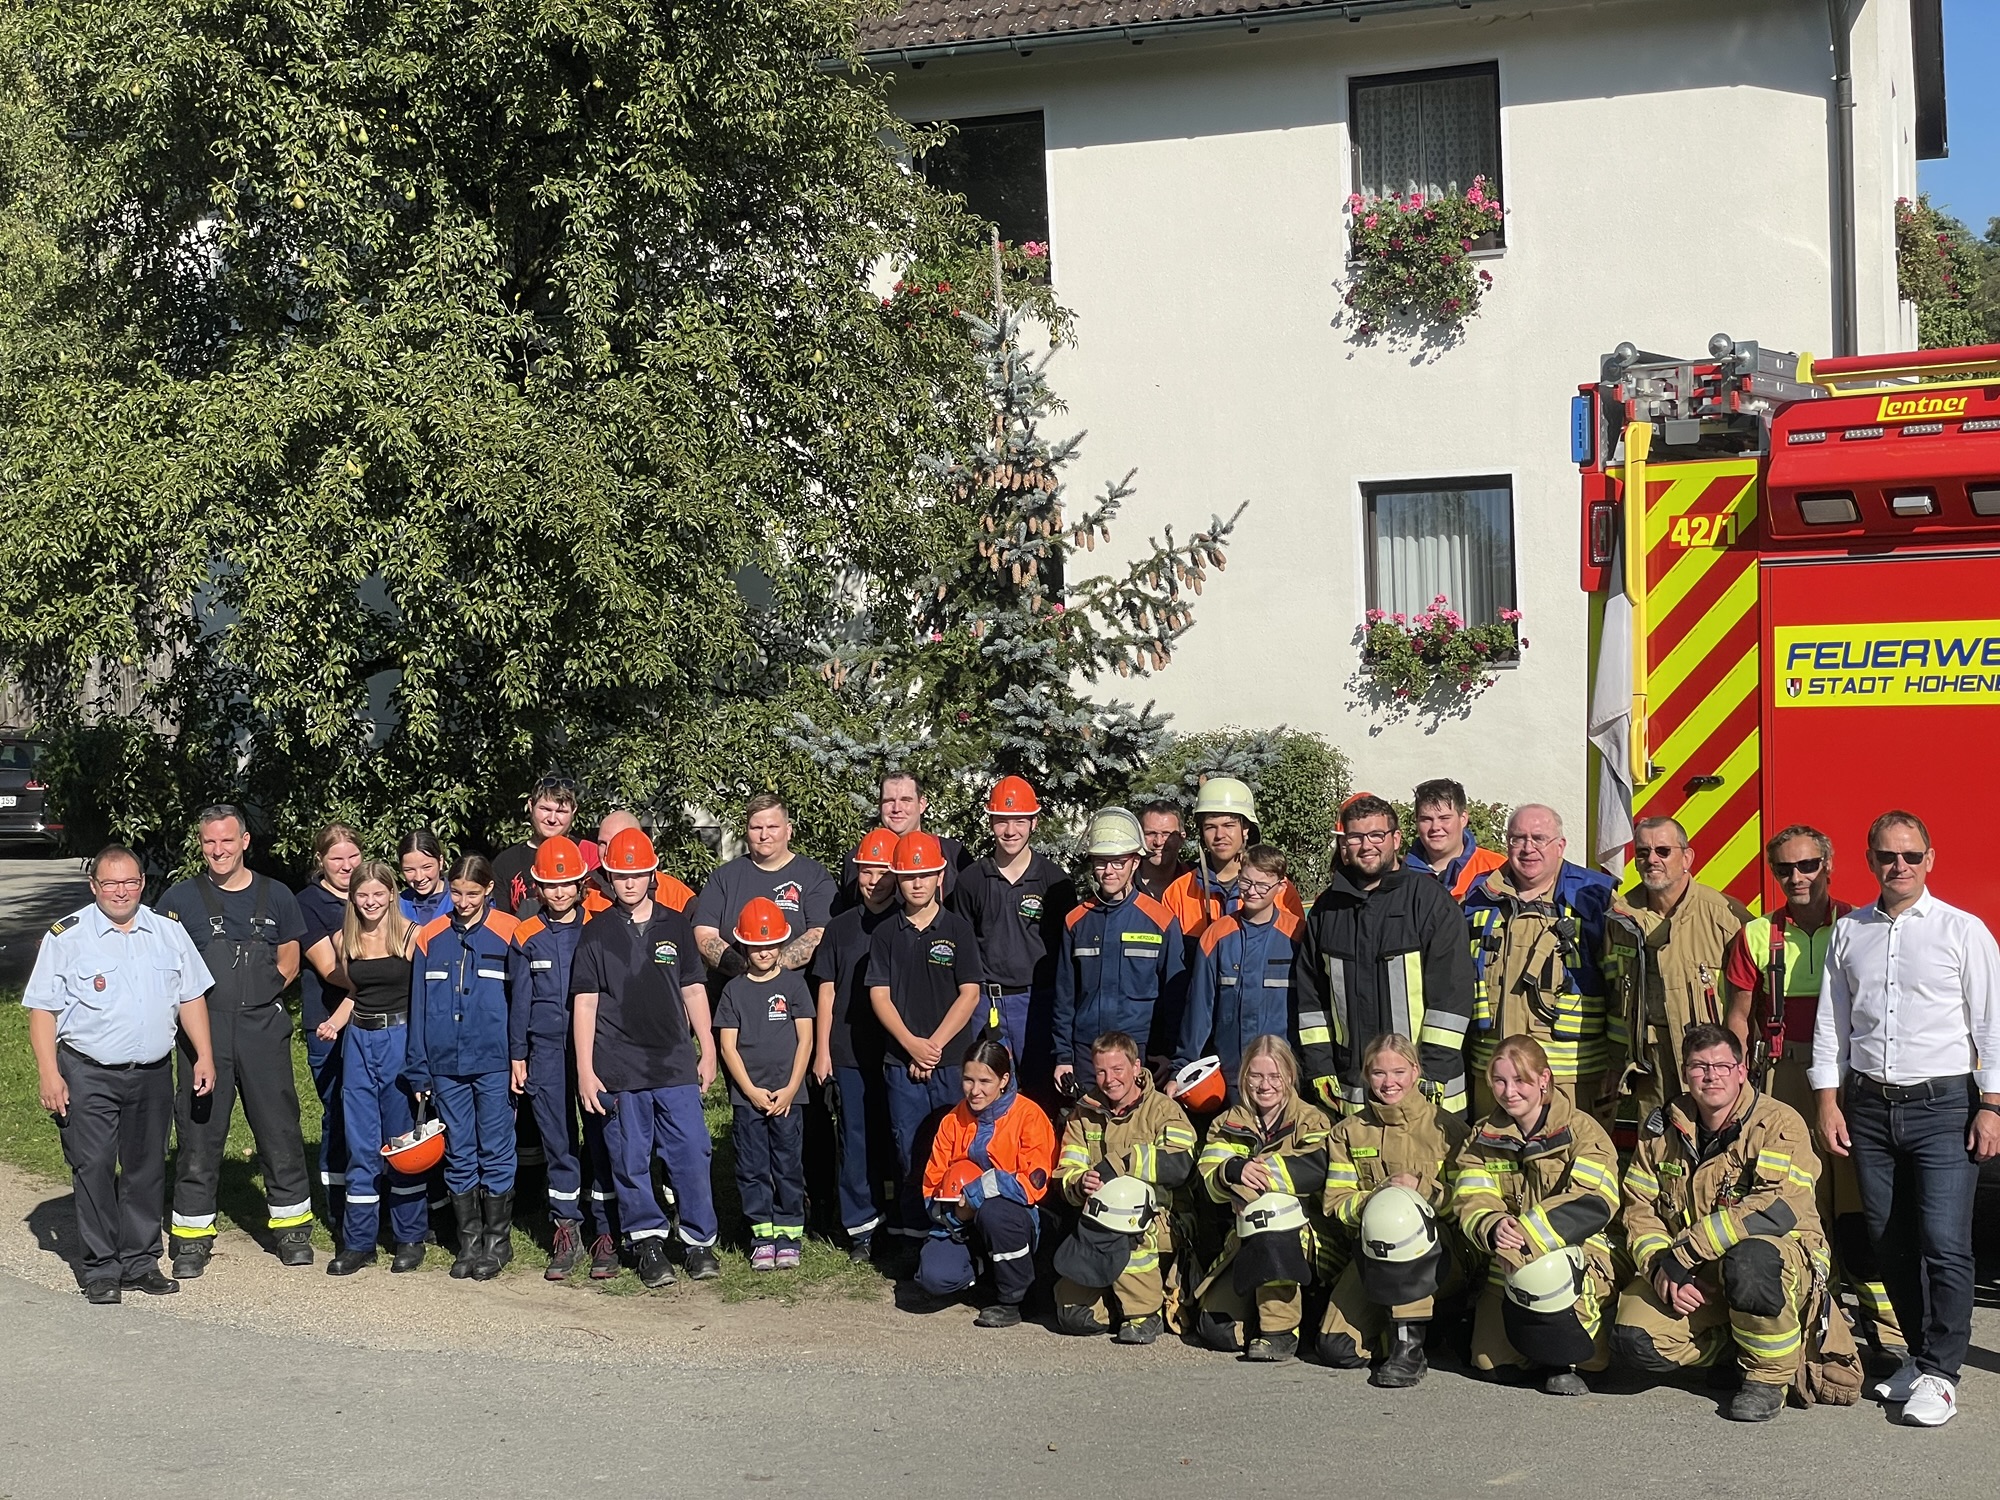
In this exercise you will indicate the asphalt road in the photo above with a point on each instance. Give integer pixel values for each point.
(35, 889)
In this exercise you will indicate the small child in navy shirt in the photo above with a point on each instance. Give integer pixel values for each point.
(764, 1022)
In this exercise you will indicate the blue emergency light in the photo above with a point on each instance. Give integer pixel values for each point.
(1582, 430)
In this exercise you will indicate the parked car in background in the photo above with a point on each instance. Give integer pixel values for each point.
(23, 795)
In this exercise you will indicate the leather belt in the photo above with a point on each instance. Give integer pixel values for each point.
(378, 1021)
(1957, 1087)
(124, 1067)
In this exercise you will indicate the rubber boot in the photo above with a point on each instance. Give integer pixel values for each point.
(496, 1244)
(1405, 1364)
(465, 1208)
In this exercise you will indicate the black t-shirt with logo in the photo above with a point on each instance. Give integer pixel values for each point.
(841, 960)
(923, 969)
(1019, 922)
(802, 890)
(764, 1011)
(644, 1037)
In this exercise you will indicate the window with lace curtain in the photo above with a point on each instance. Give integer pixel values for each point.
(1428, 133)
(1453, 537)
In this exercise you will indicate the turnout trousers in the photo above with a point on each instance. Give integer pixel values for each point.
(115, 1141)
(1756, 1294)
(376, 1108)
(253, 1060)
(1141, 1288)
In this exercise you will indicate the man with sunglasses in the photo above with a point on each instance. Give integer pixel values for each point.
(1790, 946)
(551, 811)
(1906, 1064)
(1665, 943)
(1384, 950)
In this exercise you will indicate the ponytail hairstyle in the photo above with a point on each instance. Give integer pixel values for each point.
(473, 867)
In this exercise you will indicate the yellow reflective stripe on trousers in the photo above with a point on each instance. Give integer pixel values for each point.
(1771, 1346)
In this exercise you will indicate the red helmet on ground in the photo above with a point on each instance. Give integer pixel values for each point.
(1012, 797)
(956, 1176)
(558, 861)
(918, 853)
(762, 924)
(879, 848)
(1202, 1087)
(416, 1152)
(631, 853)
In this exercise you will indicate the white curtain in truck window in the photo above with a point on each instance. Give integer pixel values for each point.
(1455, 542)
(1431, 137)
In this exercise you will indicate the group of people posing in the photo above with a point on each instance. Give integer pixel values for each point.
(1180, 1098)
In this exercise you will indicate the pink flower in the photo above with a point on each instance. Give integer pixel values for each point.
(936, 636)
(1486, 277)
(1353, 202)
(1442, 599)
(1510, 615)
(1371, 221)
(1059, 609)
(1034, 249)
(1375, 616)
(1399, 619)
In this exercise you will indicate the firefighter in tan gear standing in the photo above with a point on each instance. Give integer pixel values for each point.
(1400, 1147)
(1792, 944)
(1537, 927)
(1665, 945)
(1537, 1189)
(1123, 1137)
(1720, 1218)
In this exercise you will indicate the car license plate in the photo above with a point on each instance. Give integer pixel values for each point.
(6, 801)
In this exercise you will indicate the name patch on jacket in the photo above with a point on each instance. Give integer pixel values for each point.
(1155, 938)
(944, 952)
(666, 954)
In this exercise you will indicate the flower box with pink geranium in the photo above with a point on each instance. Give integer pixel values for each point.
(1411, 259)
(1411, 657)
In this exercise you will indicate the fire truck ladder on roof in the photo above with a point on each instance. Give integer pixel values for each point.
(1850, 375)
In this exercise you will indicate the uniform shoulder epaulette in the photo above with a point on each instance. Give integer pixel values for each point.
(1656, 1122)
(1219, 929)
(525, 930)
(1154, 909)
(501, 922)
(1078, 912)
(62, 925)
(1289, 923)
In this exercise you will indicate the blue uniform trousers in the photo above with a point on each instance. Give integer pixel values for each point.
(915, 1106)
(573, 1169)
(325, 1061)
(770, 1171)
(478, 1117)
(668, 1122)
(1001, 1233)
(868, 1169)
(375, 1108)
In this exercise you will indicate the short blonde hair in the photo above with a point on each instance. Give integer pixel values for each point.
(1279, 1051)
(1396, 1042)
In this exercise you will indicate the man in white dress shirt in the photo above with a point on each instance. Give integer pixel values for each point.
(1906, 1068)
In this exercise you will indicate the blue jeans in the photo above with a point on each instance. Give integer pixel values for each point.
(770, 1172)
(377, 1108)
(478, 1115)
(667, 1121)
(915, 1106)
(1917, 1186)
(867, 1161)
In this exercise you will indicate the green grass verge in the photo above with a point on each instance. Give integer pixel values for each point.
(28, 1140)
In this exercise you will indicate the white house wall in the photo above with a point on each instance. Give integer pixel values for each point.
(1666, 177)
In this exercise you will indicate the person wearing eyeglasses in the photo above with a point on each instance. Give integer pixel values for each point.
(551, 811)
(1790, 945)
(113, 986)
(1906, 1066)
(1241, 985)
(1384, 951)
(1721, 1223)
(1537, 926)
(1665, 944)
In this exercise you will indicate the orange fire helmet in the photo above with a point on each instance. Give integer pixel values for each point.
(631, 853)
(1202, 1087)
(417, 1151)
(1012, 797)
(762, 924)
(558, 861)
(879, 848)
(956, 1176)
(918, 853)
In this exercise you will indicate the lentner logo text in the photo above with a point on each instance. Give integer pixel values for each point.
(1916, 408)
(1944, 663)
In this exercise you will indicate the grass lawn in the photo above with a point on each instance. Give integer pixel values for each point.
(28, 1140)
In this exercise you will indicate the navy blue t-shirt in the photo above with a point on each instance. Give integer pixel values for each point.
(922, 968)
(644, 1038)
(765, 1013)
(325, 914)
(841, 960)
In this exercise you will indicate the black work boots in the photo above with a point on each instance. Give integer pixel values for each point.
(467, 1208)
(1405, 1364)
(496, 1239)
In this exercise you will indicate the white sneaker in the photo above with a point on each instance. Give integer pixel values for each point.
(1933, 1402)
(1899, 1385)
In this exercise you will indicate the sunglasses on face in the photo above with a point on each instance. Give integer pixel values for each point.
(1655, 851)
(1784, 868)
(1887, 857)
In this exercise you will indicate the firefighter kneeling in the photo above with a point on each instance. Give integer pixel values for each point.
(1720, 1216)
(1386, 1181)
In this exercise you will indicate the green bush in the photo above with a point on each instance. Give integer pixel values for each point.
(1298, 779)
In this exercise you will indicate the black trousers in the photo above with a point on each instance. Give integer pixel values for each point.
(253, 1058)
(115, 1141)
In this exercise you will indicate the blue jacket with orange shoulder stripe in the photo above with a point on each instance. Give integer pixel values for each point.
(458, 999)
(1120, 961)
(538, 962)
(1240, 990)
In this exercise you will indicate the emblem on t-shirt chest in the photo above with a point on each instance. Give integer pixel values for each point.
(1031, 908)
(787, 896)
(781, 1009)
(944, 952)
(666, 954)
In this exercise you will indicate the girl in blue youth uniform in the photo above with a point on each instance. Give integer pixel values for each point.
(458, 1051)
(421, 858)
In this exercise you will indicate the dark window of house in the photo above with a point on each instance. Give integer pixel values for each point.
(996, 163)
(1430, 133)
(1453, 537)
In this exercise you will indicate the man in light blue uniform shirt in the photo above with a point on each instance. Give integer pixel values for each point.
(111, 985)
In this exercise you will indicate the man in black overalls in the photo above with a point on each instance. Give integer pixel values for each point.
(248, 929)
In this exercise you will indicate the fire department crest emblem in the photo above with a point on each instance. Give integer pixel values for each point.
(1793, 687)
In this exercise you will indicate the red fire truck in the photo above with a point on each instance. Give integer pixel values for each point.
(1794, 570)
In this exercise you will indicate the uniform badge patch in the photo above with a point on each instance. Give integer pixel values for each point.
(666, 953)
(1031, 908)
(98, 984)
(781, 1008)
(944, 952)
